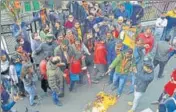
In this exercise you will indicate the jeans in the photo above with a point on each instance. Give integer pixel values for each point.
(6, 84)
(172, 53)
(32, 93)
(166, 33)
(169, 32)
(20, 86)
(72, 84)
(161, 66)
(111, 76)
(119, 80)
(55, 97)
(132, 77)
(158, 33)
(137, 97)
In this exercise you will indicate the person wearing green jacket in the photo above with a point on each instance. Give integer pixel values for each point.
(122, 65)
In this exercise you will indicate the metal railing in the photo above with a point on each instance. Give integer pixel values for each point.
(153, 9)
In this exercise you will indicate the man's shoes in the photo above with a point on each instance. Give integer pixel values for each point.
(70, 89)
(59, 104)
(84, 68)
(34, 104)
(45, 94)
(95, 81)
(22, 95)
(159, 77)
(118, 96)
(113, 88)
(61, 94)
(155, 103)
(130, 92)
(130, 103)
(36, 97)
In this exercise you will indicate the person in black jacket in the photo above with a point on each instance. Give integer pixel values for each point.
(144, 76)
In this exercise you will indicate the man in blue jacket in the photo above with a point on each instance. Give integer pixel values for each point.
(20, 28)
(6, 106)
(138, 55)
(137, 14)
(121, 11)
(169, 105)
(110, 45)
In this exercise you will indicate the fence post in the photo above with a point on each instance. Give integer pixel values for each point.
(0, 47)
(166, 6)
(31, 28)
(35, 25)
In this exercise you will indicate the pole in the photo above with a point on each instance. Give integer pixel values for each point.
(0, 52)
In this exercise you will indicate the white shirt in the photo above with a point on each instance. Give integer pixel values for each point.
(4, 65)
(161, 23)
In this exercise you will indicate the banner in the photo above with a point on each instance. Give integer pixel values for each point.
(27, 6)
(36, 5)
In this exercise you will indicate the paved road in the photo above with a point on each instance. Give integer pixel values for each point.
(76, 101)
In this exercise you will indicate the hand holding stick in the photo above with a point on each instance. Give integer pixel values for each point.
(109, 70)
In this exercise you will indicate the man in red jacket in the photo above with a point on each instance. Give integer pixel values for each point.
(169, 88)
(148, 39)
(100, 61)
(43, 72)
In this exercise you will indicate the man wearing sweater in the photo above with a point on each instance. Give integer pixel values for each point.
(148, 40)
(122, 64)
(162, 55)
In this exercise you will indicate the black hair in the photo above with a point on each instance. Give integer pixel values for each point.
(44, 26)
(33, 35)
(168, 38)
(57, 21)
(19, 38)
(17, 46)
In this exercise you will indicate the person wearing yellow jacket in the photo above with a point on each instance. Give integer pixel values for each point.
(171, 17)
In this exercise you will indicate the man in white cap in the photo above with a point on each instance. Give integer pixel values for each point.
(119, 23)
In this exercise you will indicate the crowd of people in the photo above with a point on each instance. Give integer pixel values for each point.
(93, 41)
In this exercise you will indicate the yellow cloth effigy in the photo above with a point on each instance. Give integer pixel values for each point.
(129, 36)
(103, 102)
